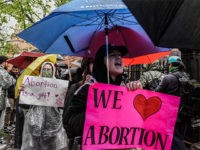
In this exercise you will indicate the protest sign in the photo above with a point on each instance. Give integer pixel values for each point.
(120, 119)
(43, 91)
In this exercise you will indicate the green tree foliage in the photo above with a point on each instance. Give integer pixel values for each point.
(9, 48)
(25, 12)
(61, 2)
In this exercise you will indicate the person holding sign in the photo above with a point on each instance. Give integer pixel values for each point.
(76, 112)
(43, 127)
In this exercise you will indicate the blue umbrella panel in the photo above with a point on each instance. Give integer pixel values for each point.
(70, 28)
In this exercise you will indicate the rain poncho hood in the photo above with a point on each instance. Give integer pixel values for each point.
(43, 127)
(53, 68)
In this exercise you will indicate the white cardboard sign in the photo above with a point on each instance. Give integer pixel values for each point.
(43, 91)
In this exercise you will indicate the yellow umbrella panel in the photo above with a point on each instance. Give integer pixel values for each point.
(34, 69)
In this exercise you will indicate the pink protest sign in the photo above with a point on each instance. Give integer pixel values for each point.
(119, 119)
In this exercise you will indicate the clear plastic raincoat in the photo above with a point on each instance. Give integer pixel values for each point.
(43, 129)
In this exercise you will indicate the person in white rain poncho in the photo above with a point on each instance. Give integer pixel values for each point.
(43, 129)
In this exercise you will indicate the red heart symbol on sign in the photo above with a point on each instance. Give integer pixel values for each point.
(147, 107)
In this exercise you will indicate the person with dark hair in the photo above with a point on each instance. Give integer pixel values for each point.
(6, 80)
(86, 69)
(170, 85)
(76, 113)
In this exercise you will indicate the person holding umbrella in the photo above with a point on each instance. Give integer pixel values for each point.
(76, 113)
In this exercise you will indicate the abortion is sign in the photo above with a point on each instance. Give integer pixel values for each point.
(43, 91)
(121, 119)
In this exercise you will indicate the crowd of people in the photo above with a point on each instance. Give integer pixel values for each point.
(52, 128)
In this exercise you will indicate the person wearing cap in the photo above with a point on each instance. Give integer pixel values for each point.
(6, 80)
(76, 112)
(170, 85)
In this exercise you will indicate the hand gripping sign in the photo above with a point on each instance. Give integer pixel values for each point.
(119, 119)
(43, 91)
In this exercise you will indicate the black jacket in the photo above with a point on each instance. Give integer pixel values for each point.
(75, 116)
(170, 84)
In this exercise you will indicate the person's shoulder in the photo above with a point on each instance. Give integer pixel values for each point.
(82, 89)
(3, 71)
(168, 76)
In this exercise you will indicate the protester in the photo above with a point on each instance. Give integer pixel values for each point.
(86, 67)
(151, 78)
(43, 128)
(6, 81)
(170, 85)
(10, 109)
(76, 113)
(21, 109)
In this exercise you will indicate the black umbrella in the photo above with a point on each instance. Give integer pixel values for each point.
(169, 23)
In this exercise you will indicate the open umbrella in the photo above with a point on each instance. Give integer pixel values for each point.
(169, 23)
(136, 43)
(146, 59)
(71, 27)
(24, 59)
(34, 69)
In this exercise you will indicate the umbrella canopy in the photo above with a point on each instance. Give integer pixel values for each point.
(34, 69)
(136, 43)
(24, 59)
(146, 59)
(169, 23)
(71, 27)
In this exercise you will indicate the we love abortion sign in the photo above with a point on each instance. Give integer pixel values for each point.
(120, 119)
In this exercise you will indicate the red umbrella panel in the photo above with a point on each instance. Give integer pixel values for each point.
(24, 59)
(137, 43)
(146, 59)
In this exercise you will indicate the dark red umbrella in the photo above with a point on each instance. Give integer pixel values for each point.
(24, 59)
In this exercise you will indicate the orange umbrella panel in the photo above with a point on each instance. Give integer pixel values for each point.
(146, 59)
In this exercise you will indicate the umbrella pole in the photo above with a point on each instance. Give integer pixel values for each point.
(107, 60)
(69, 70)
(107, 50)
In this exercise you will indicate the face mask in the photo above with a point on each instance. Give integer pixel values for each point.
(47, 74)
(173, 69)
